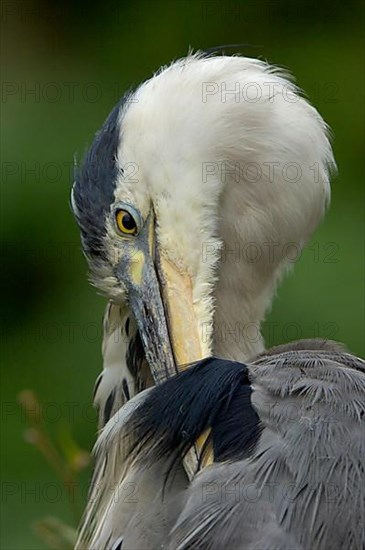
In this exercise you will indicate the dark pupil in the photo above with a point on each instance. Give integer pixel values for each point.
(128, 222)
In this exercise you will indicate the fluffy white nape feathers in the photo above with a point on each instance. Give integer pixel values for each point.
(237, 166)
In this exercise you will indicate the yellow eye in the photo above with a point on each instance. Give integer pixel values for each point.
(126, 223)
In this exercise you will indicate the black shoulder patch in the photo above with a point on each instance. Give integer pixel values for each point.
(214, 393)
(237, 427)
(95, 181)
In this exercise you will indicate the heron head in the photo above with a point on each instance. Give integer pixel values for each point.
(187, 174)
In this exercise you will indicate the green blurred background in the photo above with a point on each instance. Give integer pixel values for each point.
(63, 68)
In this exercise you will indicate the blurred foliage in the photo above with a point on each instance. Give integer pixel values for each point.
(64, 65)
(65, 458)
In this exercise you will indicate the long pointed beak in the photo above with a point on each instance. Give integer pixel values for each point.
(177, 295)
(161, 300)
(147, 307)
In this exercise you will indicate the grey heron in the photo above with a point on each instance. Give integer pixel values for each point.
(198, 448)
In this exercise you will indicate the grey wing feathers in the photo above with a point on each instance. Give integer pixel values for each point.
(304, 486)
(317, 344)
(124, 495)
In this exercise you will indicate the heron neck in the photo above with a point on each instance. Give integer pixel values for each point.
(242, 297)
(236, 333)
